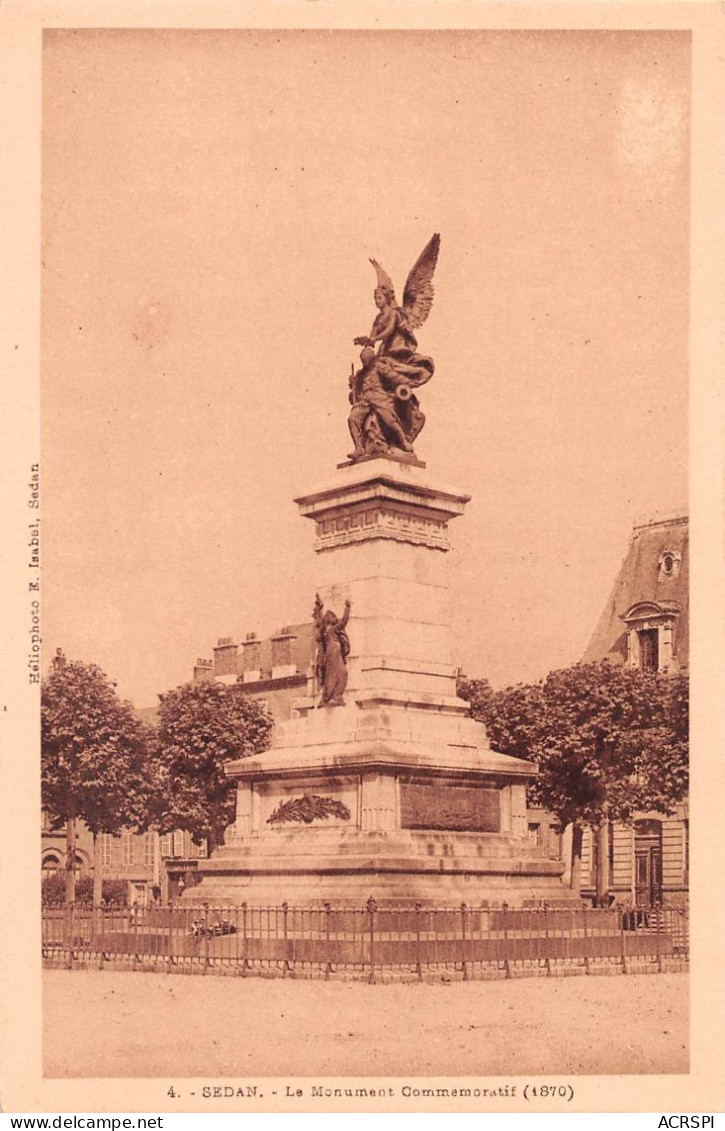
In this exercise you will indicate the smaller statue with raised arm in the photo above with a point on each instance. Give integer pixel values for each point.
(333, 648)
(386, 417)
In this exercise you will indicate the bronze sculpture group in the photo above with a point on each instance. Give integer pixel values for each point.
(386, 417)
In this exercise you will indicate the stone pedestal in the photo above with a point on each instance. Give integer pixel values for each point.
(396, 794)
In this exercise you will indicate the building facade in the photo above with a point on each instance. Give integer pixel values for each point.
(149, 866)
(276, 670)
(645, 624)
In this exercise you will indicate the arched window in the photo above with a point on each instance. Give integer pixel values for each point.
(648, 828)
(53, 864)
(651, 636)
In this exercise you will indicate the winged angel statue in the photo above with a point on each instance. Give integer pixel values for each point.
(386, 417)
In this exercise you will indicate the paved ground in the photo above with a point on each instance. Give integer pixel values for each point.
(125, 1024)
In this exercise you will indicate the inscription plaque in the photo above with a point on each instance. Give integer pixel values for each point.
(457, 808)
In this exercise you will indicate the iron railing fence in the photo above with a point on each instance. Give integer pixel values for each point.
(374, 941)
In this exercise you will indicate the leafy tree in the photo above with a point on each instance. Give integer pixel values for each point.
(201, 726)
(609, 741)
(95, 758)
(115, 892)
(84, 890)
(52, 889)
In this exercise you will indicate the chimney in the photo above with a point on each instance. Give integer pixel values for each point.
(282, 654)
(225, 660)
(251, 658)
(203, 670)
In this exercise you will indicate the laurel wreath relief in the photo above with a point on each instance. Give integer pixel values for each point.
(305, 809)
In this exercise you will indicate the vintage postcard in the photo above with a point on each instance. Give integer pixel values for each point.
(363, 539)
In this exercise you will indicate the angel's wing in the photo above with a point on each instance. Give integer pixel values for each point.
(384, 279)
(418, 294)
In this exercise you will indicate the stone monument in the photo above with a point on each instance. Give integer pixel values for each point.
(381, 784)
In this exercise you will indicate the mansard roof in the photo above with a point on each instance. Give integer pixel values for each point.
(649, 586)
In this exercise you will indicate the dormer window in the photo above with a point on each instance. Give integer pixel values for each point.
(669, 563)
(651, 635)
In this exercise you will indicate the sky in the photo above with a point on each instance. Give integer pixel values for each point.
(210, 204)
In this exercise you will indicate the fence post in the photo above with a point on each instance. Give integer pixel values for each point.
(547, 956)
(463, 941)
(622, 924)
(328, 964)
(418, 964)
(586, 940)
(659, 912)
(205, 964)
(287, 964)
(134, 917)
(170, 958)
(506, 959)
(244, 940)
(99, 929)
(371, 907)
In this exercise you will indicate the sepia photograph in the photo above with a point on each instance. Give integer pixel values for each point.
(358, 563)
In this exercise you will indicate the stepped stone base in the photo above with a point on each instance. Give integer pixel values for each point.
(381, 813)
(427, 868)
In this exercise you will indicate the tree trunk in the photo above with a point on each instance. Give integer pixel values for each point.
(577, 836)
(602, 835)
(70, 859)
(565, 853)
(97, 870)
(97, 914)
